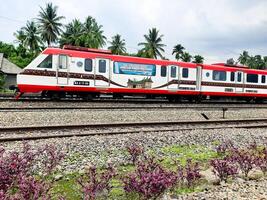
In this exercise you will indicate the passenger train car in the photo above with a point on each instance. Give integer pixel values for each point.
(87, 73)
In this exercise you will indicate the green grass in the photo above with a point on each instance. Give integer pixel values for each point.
(180, 154)
(67, 187)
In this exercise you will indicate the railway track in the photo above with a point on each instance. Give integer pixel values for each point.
(123, 128)
(104, 99)
(123, 107)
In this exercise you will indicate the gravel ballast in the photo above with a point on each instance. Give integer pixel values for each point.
(107, 116)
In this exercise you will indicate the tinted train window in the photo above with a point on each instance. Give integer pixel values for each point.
(232, 78)
(163, 71)
(173, 71)
(239, 77)
(252, 78)
(102, 66)
(88, 65)
(263, 79)
(47, 63)
(63, 62)
(219, 75)
(185, 73)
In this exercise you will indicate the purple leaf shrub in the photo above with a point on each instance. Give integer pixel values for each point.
(31, 188)
(13, 165)
(94, 183)
(17, 172)
(135, 152)
(224, 147)
(223, 168)
(245, 158)
(50, 157)
(189, 174)
(149, 180)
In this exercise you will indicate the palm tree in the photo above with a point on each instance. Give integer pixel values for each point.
(117, 45)
(244, 58)
(198, 59)
(93, 35)
(73, 34)
(153, 46)
(178, 51)
(49, 22)
(186, 57)
(32, 39)
(20, 36)
(265, 61)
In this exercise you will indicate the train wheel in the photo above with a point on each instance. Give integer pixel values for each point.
(55, 97)
(117, 96)
(198, 99)
(87, 97)
(259, 100)
(171, 99)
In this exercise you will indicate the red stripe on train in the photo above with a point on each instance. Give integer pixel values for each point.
(38, 88)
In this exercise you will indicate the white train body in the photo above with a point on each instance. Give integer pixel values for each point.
(83, 71)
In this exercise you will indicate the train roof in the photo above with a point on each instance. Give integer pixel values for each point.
(95, 53)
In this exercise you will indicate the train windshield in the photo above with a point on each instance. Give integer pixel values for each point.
(46, 63)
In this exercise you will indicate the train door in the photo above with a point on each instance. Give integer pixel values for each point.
(63, 70)
(198, 78)
(239, 77)
(102, 72)
(173, 76)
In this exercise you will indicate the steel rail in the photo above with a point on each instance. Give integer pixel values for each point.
(6, 139)
(234, 124)
(16, 109)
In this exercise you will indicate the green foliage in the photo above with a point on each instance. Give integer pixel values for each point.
(117, 45)
(2, 80)
(198, 59)
(49, 23)
(17, 55)
(152, 47)
(253, 62)
(186, 57)
(178, 50)
(88, 34)
(32, 40)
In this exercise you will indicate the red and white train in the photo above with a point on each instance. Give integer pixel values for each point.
(90, 72)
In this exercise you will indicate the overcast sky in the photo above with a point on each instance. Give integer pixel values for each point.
(215, 29)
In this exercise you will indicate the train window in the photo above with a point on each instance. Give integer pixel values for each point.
(173, 71)
(219, 75)
(185, 72)
(252, 78)
(239, 77)
(88, 65)
(102, 66)
(163, 71)
(63, 62)
(263, 79)
(232, 78)
(47, 63)
(207, 74)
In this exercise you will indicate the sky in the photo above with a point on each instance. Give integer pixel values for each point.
(215, 29)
